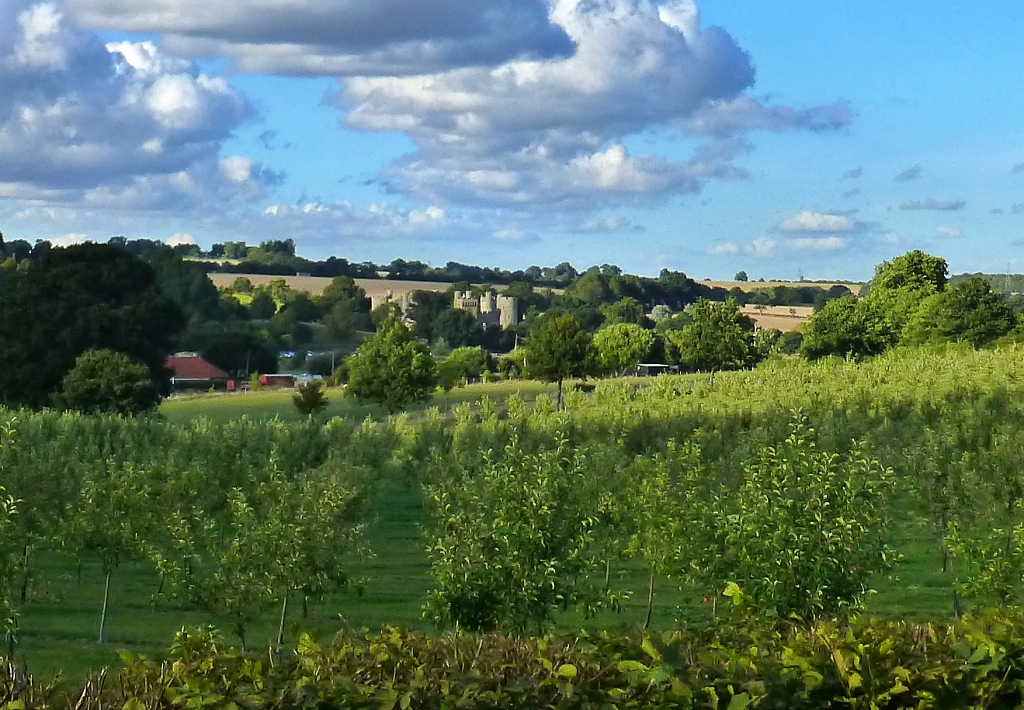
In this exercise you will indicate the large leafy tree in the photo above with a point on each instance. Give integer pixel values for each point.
(900, 285)
(969, 311)
(103, 381)
(718, 338)
(623, 346)
(85, 297)
(625, 310)
(558, 348)
(848, 328)
(392, 368)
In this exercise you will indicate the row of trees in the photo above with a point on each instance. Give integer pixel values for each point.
(228, 532)
(395, 369)
(909, 302)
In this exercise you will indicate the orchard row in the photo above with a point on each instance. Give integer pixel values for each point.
(778, 488)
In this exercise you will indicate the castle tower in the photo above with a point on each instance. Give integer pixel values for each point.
(489, 302)
(508, 307)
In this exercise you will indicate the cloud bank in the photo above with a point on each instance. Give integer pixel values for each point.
(354, 37)
(120, 125)
(554, 131)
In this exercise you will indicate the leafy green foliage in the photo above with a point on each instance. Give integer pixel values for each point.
(85, 297)
(310, 397)
(558, 348)
(103, 381)
(969, 311)
(626, 310)
(623, 346)
(848, 327)
(866, 663)
(914, 270)
(391, 368)
(512, 541)
(804, 531)
(718, 337)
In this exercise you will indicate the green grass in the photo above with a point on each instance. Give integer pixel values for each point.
(270, 404)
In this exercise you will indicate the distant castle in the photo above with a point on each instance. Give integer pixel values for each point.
(490, 308)
(404, 300)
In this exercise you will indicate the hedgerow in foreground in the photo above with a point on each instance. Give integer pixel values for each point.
(869, 663)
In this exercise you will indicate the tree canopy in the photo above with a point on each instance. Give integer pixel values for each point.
(558, 348)
(107, 382)
(623, 346)
(391, 368)
(84, 297)
(719, 337)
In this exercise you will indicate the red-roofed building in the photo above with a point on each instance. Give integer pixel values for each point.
(190, 372)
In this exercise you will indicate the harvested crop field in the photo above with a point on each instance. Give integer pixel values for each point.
(315, 285)
(782, 318)
(759, 285)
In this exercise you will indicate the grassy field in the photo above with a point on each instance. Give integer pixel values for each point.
(268, 404)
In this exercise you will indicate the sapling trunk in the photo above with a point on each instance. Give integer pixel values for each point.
(24, 573)
(650, 604)
(607, 574)
(559, 395)
(305, 606)
(280, 627)
(103, 614)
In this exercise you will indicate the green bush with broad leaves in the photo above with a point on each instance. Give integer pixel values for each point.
(974, 664)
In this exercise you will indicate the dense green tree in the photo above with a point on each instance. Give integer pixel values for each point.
(968, 311)
(558, 348)
(107, 382)
(848, 327)
(593, 288)
(625, 310)
(185, 283)
(900, 285)
(740, 276)
(391, 368)
(457, 328)
(623, 346)
(427, 307)
(263, 306)
(914, 269)
(718, 338)
(84, 297)
(346, 308)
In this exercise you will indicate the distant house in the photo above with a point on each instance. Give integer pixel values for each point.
(191, 372)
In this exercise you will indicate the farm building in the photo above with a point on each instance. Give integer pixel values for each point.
(191, 372)
(277, 381)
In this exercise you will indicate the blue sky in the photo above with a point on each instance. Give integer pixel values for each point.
(792, 138)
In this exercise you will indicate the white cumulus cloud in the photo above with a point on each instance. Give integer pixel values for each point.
(90, 123)
(727, 248)
(818, 222)
(553, 131)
